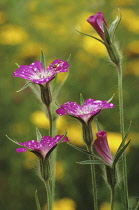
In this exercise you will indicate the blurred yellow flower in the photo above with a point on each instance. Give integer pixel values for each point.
(131, 20)
(105, 206)
(83, 25)
(39, 119)
(12, 35)
(43, 22)
(60, 77)
(93, 46)
(81, 55)
(30, 49)
(32, 5)
(123, 2)
(133, 48)
(114, 140)
(133, 68)
(64, 204)
(2, 17)
(74, 134)
(29, 160)
(59, 170)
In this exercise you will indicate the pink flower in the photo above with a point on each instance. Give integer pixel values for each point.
(36, 73)
(43, 147)
(97, 22)
(85, 112)
(102, 147)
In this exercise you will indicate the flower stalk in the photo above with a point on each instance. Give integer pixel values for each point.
(88, 139)
(111, 179)
(93, 178)
(120, 90)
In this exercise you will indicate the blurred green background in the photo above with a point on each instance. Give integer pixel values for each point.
(26, 26)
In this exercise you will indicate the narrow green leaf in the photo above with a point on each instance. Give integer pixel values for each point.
(125, 137)
(58, 89)
(24, 87)
(106, 33)
(114, 25)
(38, 134)
(88, 162)
(119, 153)
(137, 206)
(90, 36)
(82, 150)
(97, 125)
(111, 98)
(81, 99)
(42, 59)
(36, 90)
(37, 201)
(15, 142)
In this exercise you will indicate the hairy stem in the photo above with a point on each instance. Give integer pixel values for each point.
(124, 165)
(93, 177)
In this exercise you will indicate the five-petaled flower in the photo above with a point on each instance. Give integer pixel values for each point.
(97, 22)
(87, 111)
(36, 73)
(102, 147)
(43, 147)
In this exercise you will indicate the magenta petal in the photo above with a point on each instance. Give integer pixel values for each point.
(61, 111)
(58, 66)
(21, 150)
(97, 21)
(36, 73)
(102, 147)
(85, 112)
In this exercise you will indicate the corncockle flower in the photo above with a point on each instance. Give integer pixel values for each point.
(97, 22)
(102, 147)
(43, 147)
(87, 111)
(36, 73)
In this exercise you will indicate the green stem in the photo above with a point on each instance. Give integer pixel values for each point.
(50, 121)
(120, 89)
(49, 195)
(93, 177)
(112, 198)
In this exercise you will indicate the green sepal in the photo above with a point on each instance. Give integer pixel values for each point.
(17, 65)
(97, 125)
(24, 87)
(88, 162)
(42, 59)
(90, 36)
(69, 58)
(65, 134)
(37, 201)
(108, 101)
(119, 153)
(15, 142)
(81, 99)
(106, 34)
(38, 134)
(114, 25)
